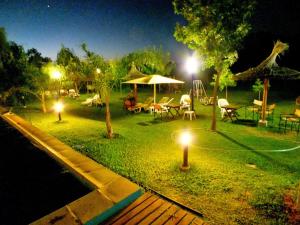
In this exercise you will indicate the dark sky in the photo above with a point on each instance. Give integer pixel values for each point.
(109, 27)
(116, 27)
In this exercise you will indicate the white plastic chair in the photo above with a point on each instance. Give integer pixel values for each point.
(185, 102)
(221, 103)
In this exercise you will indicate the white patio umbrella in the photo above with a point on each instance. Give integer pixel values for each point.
(154, 79)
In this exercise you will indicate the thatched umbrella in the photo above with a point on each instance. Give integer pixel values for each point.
(269, 69)
(134, 73)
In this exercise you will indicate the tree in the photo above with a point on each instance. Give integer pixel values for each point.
(102, 71)
(226, 80)
(258, 87)
(214, 29)
(73, 68)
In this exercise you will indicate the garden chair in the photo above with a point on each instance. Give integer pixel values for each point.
(221, 103)
(90, 101)
(146, 104)
(270, 112)
(293, 120)
(73, 93)
(163, 100)
(255, 108)
(162, 108)
(185, 102)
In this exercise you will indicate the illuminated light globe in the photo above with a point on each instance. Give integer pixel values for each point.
(58, 107)
(185, 138)
(192, 65)
(98, 70)
(56, 74)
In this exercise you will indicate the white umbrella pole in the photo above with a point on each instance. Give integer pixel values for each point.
(154, 94)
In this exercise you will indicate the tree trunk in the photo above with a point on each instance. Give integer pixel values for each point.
(108, 119)
(135, 92)
(76, 87)
(263, 121)
(213, 121)
(226, 92)
(44, 109)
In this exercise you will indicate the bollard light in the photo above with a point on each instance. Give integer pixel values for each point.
(185, 140)
(58, 107)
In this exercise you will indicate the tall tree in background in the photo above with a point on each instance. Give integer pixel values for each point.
(103, 81)
(214, 29)
(67, 58)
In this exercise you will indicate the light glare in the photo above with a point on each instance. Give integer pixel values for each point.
(58, 107)
(185, 138)
(56, 74)
(191, 65)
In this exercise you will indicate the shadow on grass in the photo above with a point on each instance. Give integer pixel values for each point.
(268, 158)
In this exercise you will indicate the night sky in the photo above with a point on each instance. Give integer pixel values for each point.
(116, 27)
(111, 28)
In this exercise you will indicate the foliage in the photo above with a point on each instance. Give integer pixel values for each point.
(151, 60)
(226, 80)
(35, 58)
(215, 30)
(97, 65)
(73, 67)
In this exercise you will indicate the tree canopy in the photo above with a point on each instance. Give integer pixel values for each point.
(214, 29)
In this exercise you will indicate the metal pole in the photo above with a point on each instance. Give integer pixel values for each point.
(192, 97)
(59, 116)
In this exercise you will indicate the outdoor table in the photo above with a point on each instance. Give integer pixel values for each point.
(173, 107)
(231, 111)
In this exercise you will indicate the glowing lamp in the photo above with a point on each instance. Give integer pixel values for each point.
(191, 65)
(185, 140)
(98, 70)
(58, 107)
(56, 74)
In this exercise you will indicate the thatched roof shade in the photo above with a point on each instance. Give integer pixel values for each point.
(134, 73)
(269, 68)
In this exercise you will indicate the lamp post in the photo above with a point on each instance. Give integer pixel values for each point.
(192, 67)
(185, 141)
(58, 107)
(56, 75)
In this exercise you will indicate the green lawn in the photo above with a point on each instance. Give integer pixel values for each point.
(237, 176)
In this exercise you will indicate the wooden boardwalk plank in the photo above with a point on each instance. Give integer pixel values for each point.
(136, 210)
(188, 219)
(152, 208)
(177, 217)
(168, 214)
(136, 203)
(198, 221)
(157, 213)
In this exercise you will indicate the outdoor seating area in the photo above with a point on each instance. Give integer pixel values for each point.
(93, 101)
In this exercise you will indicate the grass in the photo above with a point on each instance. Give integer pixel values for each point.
(236, 177)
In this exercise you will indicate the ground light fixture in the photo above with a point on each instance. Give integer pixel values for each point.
(192, 66)
(185, 140)
(58, 107)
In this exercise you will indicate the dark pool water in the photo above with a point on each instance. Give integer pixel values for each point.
(32, 184)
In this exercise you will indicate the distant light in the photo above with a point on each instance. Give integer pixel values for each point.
(185, 138)
(98, 70)
(192, 65)
(55, 74)
(58, 107)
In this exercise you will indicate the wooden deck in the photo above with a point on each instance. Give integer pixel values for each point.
(150, 209)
